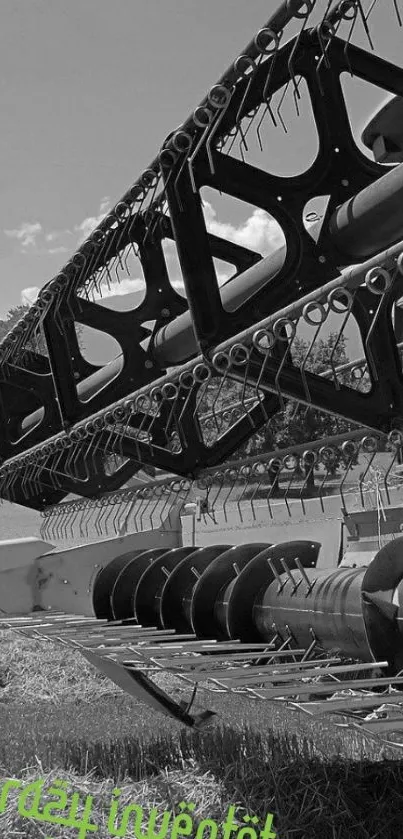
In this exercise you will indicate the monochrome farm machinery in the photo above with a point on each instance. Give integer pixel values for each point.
(194, 563)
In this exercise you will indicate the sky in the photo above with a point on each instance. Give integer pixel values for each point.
(89, 89)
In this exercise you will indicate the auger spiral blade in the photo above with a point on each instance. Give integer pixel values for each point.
(322, 640)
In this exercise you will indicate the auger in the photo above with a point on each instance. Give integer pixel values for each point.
(196, 378)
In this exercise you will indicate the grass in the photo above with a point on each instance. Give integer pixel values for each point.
(59, 718)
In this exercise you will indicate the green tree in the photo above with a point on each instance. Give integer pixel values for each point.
(13, 316)
(37, 342)
(298, 423)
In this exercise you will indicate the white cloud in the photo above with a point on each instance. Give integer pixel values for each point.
(27, 233)
(260, 232)
(223, 276)
(29, 294)
(91, 222)
(33, 238)
(58, 249)
(54, 235)
(126, 286)
(30, 235)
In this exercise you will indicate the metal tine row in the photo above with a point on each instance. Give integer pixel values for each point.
(198, 661)
(278, 475)
(108, 427)
(326, 688)
(352, 704)
(128, 510)
(336, 15)
(282, 675)
(290, 670)
(289, 681)
(277, 472)
(97, 632)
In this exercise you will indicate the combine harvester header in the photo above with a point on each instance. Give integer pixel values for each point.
(314, 620)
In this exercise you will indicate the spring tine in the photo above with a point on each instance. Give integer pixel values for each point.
(246, 473)
(51, 530)
(382, 300)
(276, 478)
(243, 392)
(156, 496)
(104, 515)
(70, 513)
(125, 513)
(79, 455)
(43, 529)
(294, 473)
(35, 475)
(202, 391)
(140, 497)
(296, 93)
(307, 315)
(142, 405)
(337, 342)
(341, 485)
(141, 509)
(308, 473)
(322, 486)
(364, 23)
(97, 514)
(167, 491)
(349, 39)
(225, 475)
(157, 402)
(212, 134)
(254, 68)
(266, 98)
(82, 508)
(217, 117)
(49, 515)
(255, 492)
(387, 473)
(164, 492)
(148, 501)
(217, 396)
(109, 506)
(217, 477)
(68, 461)
(87, 511)
(103, 258)
(172, 423)
(280, 369)
(398, 15)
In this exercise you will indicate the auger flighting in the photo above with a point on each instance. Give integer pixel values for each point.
(257, 592)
